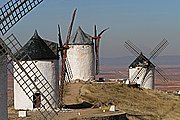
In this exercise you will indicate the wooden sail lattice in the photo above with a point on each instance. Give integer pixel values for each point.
(13, 11)
(24, 74)
(23, 71)
(68, 71)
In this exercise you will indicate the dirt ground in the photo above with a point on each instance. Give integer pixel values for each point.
(72, 96)
(72, 92)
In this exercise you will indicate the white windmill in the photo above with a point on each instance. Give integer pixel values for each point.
(25, 77)
(141, 70)
(83, 54)
(77, 55)
(44, 54)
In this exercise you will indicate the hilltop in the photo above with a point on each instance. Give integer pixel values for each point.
(137, 103)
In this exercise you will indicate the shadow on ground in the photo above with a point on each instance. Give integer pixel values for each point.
(82, 105)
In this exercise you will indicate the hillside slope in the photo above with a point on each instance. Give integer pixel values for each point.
(139, 104)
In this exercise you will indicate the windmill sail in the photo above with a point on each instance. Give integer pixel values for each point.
(68, 71)
(96, 50)
(10, 14)
(132, 48)
(97, 46)
(137, 73)
(143, 70)
(11, 46)
(13, 11)
(64, 60)
(158, 49)
(60, 42)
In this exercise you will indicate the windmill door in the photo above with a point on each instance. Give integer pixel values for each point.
(36, 100)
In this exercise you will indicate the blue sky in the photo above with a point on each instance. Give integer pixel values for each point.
(144, 22)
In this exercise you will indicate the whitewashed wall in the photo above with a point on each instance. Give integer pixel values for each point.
(50, 70)
(82, 62)
(146, 79)
(149, 79)
(3, 89)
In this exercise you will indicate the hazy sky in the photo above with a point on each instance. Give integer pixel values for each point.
(144, 22)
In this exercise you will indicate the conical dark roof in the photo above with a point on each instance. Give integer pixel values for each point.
(37, 49)
(80, 38)
(141, 60)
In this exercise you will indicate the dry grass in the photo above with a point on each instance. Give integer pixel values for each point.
(139, 104)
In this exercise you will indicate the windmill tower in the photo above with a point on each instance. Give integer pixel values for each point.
(142, 70)
(10, 14)
(47, 62)
(81, 56)
(143, 64)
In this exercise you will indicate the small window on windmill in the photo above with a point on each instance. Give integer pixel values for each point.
(36, 100)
